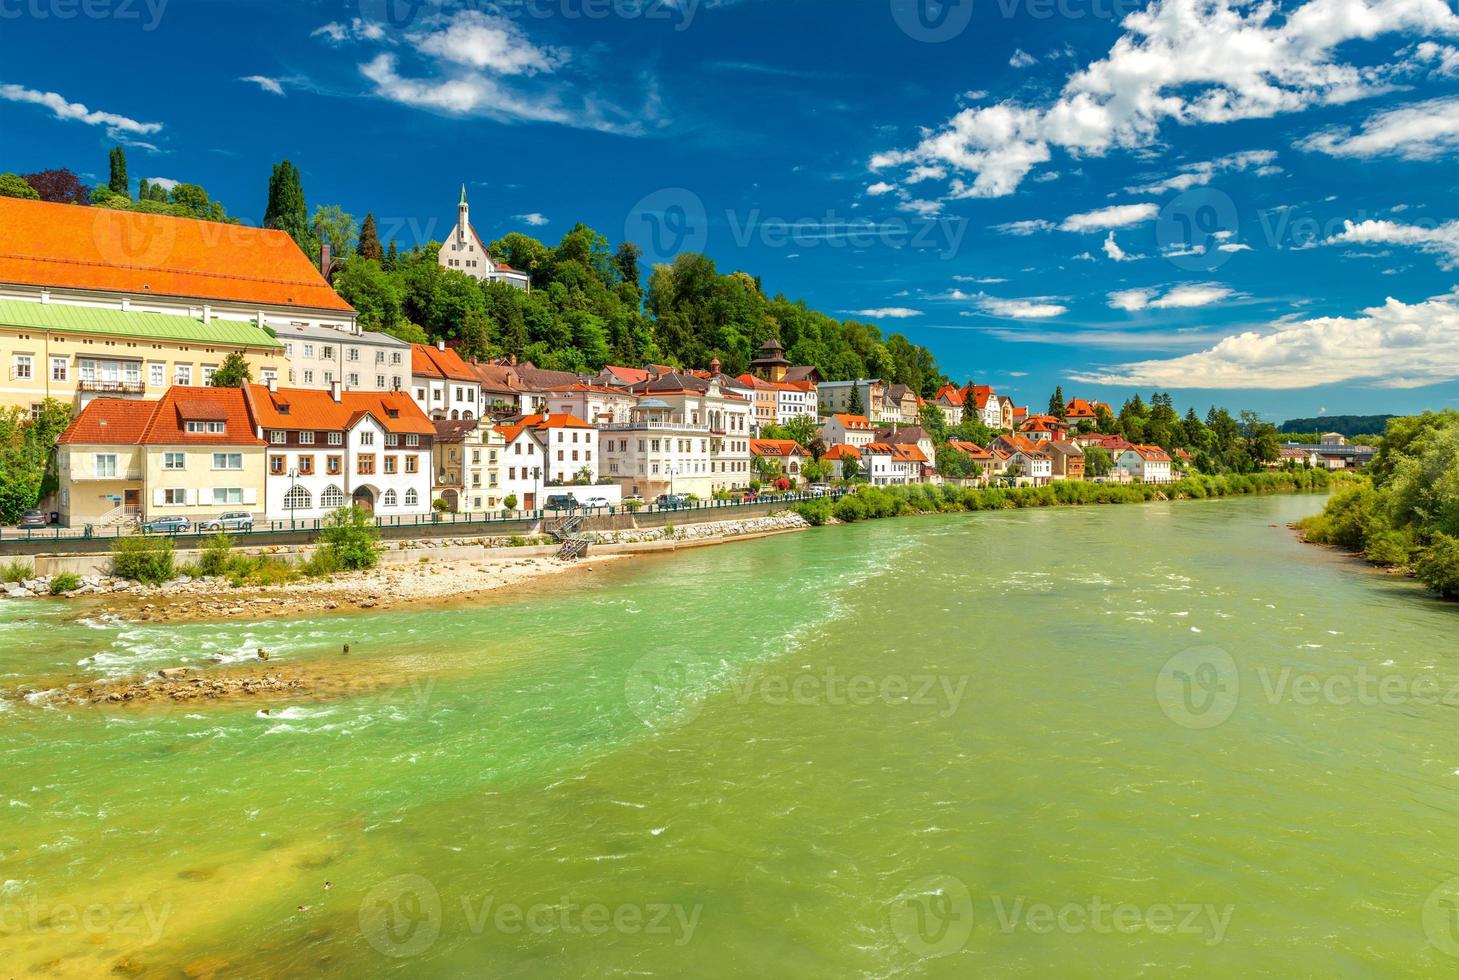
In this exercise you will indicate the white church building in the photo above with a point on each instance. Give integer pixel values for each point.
(464, 251)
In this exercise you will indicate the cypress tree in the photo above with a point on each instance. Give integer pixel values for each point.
(392, 256)
(853, 404)
(118, 181)
(369, 245)
(286, 209)
(144, 190)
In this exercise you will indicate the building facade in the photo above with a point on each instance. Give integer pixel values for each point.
(464, 251)
(359, 360)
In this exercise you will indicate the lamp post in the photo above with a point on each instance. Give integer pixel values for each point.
(293, 477)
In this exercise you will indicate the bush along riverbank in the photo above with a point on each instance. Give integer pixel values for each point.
(1405, 515)
(869, 503)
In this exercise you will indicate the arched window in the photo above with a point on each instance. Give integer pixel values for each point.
(466, 415)
(411, 497)
(297, 498)
(332, 497)
(455, 414)
(388, 500)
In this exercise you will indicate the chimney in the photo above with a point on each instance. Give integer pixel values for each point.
(334, 390)
(714, 366)
(273, 385)
(440, 345)
(324, 259)
(207, 313)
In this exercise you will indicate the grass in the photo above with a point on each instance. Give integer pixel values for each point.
(16, 571)
(65, 582)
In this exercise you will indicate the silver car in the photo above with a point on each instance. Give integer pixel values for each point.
(238, 520)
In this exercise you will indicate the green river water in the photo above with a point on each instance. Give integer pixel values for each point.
(1107, 741)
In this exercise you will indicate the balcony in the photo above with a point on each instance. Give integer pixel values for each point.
(112, 387)
(653, 427)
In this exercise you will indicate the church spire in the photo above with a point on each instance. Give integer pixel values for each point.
(463, 196)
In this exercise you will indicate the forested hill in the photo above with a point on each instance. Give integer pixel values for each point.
(588, 308)
(1347, 425)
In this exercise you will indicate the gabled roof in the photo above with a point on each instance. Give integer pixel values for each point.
(627, 375)
(969, 449)
(497, 379)
(453, 430)
(540, 423)
(90, 248)
(952, 395)
(429, 361)
(908, 453)
(1151, 454)
(109, 422)
(981, 395)
(672, 381)
(306, 408)
(842, 450)
(802, 372)
(775, 447)
(65, 318)
(853, 422)
(903, 435)
(1078, 408)
(541, 379)
(168, 425)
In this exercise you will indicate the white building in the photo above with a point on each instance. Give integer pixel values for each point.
(326, 449)
(443, 385)
(358, 360)
(543, 452)
(1148, 464)
(853, 430)
(685, 435)
(598, 404)
(884, 464)
(464, 251)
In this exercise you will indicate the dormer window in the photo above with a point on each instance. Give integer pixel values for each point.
(204, 428)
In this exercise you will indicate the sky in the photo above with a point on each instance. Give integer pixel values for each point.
(1246, 205)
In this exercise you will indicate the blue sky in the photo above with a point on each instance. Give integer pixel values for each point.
(1247, 206)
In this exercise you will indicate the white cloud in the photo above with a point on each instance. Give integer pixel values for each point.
(535, 218)
(1113, 251)
(1182, 297)
(1028, 226)
(116, 125)
(1116, 216)
(265, 83)
(1179, 251)
(1032, 308)
(1201, 174)
(1421, 131)
(1021, 59)
(358, 29)
(1441, 240)
(1233, 247)
(981, 280)
(166, 183)
(880, 187)
(1444, 57)
(475, 40)
(887, 313)
(1396, 345)
(1185, 62)
(1130, 300)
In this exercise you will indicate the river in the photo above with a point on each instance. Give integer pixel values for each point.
(1134, 740)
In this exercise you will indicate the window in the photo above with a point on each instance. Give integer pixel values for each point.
(379, 357)
(184, 375)
(306, 465)
(174, 496)
(332, 497)
(336, 438)
(352, 354)
(156, 375)
(199, 428)
(329, 377)
(365, 464)
(326, 352)
(411, 464)
(367, 438)
(391, 439)
(58, 369)
(227, 495)
(208, 370)
(174, 461)
(227, 461)
(411, 498)
(297, 498)
(288, 350)
(395, 357)
(390, 464)
(23, 363)
(354, 380)
(308, 377)
(106, 466)
(334, 465)
(276, 465)
(379, 381)
(308, 350)
(278, 437)
(412, 440)
(306, 438)
(388, 500)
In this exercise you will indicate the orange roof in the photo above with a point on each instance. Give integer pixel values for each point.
(552, 420)
(981, 394)
(1078, 408)
(969, 448)
(841, 450)
(585, 386)
(853, 421)
(429, 361)
(110, 421)
(775, 447)
(951, 394)
(304, 408)
(182, 405)
(627, 375)
(1152, 454)
(72, 247)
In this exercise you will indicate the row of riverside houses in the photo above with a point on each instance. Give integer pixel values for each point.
(126, 317)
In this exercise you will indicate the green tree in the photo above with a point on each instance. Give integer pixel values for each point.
(475, 335)
(932, 419)
(369, 247)
(853, 402)
(27, 450)
(334, 225)
(118, 180)
(801, 428)
(286, 209)
(11, 185)
(234, 372)
(850, 468)
(1097, 461)
(1057, 407)
(350, 539)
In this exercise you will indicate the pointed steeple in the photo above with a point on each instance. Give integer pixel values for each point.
(463, 196)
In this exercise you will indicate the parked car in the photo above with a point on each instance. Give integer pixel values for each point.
(167, 525)
(819, 489)
(238, 520)
(597, 502)
(34, 518)
(561, 501)
(672, 501)
(633, 498)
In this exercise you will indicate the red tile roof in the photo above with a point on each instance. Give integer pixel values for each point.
(539, 423)
(1151, 454)
(429, 361)
(110, 421)
(951, 394)
(627, 375)
(841, 450)
(775, 447)
(72, 247)
(850, 422)
(180, 405)
(970, 449)
(1078, 408)
(303, 408)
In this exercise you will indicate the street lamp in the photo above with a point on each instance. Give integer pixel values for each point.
(290, 499)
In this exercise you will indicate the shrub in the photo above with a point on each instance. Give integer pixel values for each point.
(323, 562)
(15, 571)
(145, 559)
(65, 582)
(1438, 568)
(509, 502)
(816, 512)
(215, 556)
(350, 533)
(1390, 548)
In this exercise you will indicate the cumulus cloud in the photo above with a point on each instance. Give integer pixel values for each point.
(475, 40)
(535, 218)
(1117, 216)
(887, 313)
(1115, 253)
(1182, 297)
(264, 82)
(1396, 345)
(1440, 240)
(1186, 62)
(1201, 174)
(880, 187)
(166, 183)
(1030, 308)
(1421, 131)
(117, 126)
(1021, 59)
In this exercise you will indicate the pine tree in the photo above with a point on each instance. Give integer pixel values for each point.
(853, 404)
(392, 256)
(369, 246)
(118, 182)
(1056, 402)
(144, 190)
(286, 209)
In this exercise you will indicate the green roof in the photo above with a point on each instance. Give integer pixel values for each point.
(128, 323)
